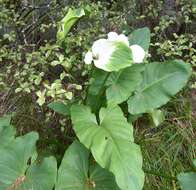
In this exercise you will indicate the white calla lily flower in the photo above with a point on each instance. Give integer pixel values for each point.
(114, 53)
(113, 36)
(138, 53)
(102, 50)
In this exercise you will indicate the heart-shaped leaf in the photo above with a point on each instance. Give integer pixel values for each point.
(14, 158)
(160, 82)
(77, 173)
(41, 176)
(14, 165)
(111, 143)
(123, 83)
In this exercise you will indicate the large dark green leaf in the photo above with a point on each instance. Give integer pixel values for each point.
(77, 173)
(140, 37)
(123, 83)
(5, 121)
(41, 176)
(14, 158)
(7, 134)
(14, 165)
(160, 82)
(111, 143)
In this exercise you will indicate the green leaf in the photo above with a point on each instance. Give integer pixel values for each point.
(14, 158)
(77, 173)
(60, 108)
(194, 163)
(157, 116)
(41, 97)
(120, 58)
(14, 165)
(41, 176)
(160, 82)
(111, 143)
(187, 180)
(123, 83)
(67, 22)
(5, 121)
(96, 91)
(7, 132)
(140, 37)
(7, 135)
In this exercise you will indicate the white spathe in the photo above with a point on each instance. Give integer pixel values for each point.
(88, 58)
(138, 53)
(103, 49)
(113, 36)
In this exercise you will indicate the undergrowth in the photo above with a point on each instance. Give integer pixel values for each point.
(167, 149)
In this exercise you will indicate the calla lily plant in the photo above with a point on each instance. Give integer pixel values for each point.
(114, 53)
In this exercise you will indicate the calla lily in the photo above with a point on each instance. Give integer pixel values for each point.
(114, 53)
(113, 36)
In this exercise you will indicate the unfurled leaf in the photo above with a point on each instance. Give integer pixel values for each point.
(123, 83)
(160, 82)
(77, 172)
(111, 142)
(140, 37)
(67, 22)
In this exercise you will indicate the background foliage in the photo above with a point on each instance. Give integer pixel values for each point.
(35, 71)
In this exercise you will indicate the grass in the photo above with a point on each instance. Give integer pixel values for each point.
(167, 149)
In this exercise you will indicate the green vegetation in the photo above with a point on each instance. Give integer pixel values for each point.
(92, 122)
